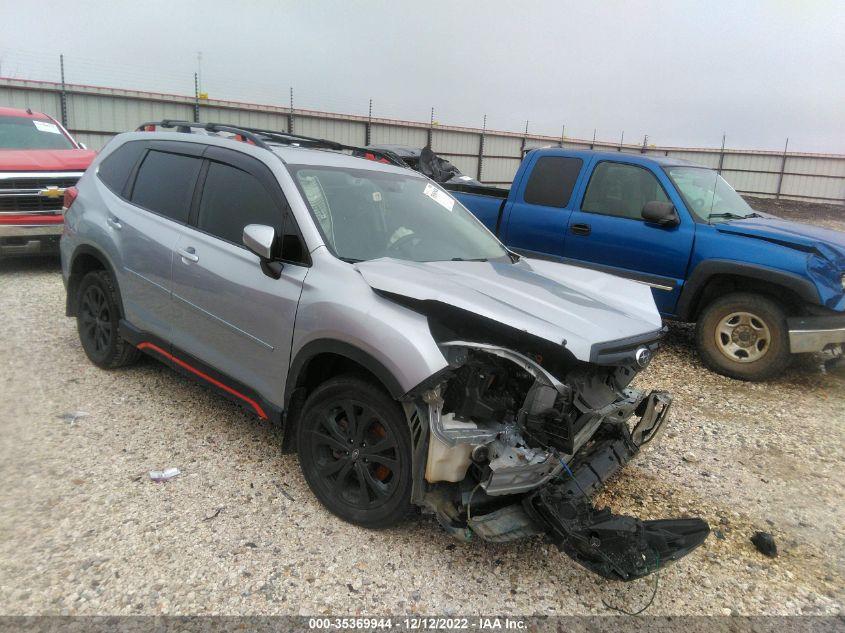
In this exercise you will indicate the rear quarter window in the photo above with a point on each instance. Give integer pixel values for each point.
(552, 180)
(115, 169)
(165, 184)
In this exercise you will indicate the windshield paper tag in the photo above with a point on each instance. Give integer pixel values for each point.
(46, 126)
(439, 196)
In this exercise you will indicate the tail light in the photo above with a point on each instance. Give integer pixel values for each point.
(70, 196)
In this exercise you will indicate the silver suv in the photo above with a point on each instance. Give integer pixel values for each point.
(413, 360)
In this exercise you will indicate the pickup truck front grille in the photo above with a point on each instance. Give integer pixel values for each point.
(34, 192)
(11, 181)
(29, 204)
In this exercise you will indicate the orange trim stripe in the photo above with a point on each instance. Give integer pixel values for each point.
(206, 377)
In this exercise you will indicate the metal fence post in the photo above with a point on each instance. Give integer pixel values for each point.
(621, 140)
(290, 112)
(63, 93)
(431, 128)
(782, 169)
(481, 149)
(524, 141)
(645, 143)
(562, 135)
(368, 128)
(721, 155)
(593, 144)
(196, 98)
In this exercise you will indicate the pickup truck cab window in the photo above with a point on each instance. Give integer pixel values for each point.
(552, 181)
(364, 215)
(621, 190)
(707, 194)
(165, 184)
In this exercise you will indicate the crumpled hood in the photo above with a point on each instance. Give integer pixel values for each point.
(553, 301)
(46, 159)
(804, 237)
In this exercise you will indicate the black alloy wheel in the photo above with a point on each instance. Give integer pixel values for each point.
(97, 321)
(354, 449)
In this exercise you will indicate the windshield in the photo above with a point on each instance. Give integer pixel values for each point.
(23, 133)
(365, 214)
(708, 195)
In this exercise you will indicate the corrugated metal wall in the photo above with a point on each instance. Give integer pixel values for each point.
(96, 114)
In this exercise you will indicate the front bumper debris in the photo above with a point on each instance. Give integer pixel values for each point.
(614, 546)
(815, 333)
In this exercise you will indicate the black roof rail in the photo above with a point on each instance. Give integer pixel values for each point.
(185, 126)
(260, 137)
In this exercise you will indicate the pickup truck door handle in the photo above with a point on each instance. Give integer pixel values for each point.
(114, 222)
(189, 255)
(580, 229)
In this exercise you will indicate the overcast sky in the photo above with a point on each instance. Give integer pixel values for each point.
(682, 72)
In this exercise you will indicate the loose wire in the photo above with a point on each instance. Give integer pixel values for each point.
(648, 604)
(657, 563)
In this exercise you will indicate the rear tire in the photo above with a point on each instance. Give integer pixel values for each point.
(354, 448)
(743, 335)
(98, 320)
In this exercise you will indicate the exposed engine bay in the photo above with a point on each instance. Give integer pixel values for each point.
(515, 451)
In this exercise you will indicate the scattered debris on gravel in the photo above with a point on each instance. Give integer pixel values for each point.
(238, 532)
(72, 416)
(164, 475)
(765, 544)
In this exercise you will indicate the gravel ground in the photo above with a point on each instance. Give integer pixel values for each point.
(831, 216)
(84, 531)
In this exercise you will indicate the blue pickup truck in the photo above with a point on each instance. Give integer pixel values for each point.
(759, 288)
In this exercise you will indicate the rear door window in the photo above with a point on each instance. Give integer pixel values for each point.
(552, 180)
(165, 184)
(621, 190)
(232, 199)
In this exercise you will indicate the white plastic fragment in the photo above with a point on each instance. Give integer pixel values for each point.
(164, 475)
(73, 416)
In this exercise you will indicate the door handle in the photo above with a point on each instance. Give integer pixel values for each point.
(114, 222)
(189, 255)
(580, 229)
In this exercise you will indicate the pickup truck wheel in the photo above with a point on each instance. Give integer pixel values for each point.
(97, 321)
(744, 336)
(354, 448)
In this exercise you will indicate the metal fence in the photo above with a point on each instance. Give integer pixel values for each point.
(95, 114)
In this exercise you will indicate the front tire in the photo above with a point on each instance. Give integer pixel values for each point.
(98, 319)
(743, 335)
(354, 448)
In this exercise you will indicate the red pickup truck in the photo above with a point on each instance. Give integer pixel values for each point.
(39, 160)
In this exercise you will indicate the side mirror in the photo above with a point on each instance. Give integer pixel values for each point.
(662, 213)
(261, 240)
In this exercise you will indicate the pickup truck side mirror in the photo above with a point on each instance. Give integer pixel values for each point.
(662, 213)
(263, 241)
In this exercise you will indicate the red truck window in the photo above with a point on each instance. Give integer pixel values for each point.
(24, 133)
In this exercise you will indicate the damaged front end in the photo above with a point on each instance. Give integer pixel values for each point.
(515, 450)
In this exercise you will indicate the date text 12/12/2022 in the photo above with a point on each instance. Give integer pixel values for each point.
(419, 623)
